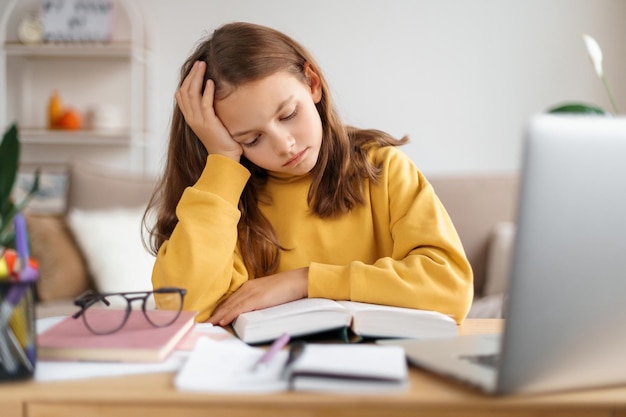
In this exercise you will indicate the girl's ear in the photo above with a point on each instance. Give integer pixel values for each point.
(314, 82)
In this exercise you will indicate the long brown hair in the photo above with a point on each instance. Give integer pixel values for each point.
(240, 53)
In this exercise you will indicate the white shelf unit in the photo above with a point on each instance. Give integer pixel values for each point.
(86, 74)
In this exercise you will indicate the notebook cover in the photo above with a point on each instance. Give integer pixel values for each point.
(137, 341)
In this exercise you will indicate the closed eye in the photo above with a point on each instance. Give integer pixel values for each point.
(290, 116)
(252, 143)
(257, 138)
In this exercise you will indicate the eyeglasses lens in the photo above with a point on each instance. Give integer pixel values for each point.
(172, 305)
(105, 324)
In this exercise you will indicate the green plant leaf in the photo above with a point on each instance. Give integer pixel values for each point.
(579, 108)
(9, 160)
(6, 225)
(7, 232)
(19, 206)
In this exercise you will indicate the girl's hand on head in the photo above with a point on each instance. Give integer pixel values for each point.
(200, 114)
(264, 292)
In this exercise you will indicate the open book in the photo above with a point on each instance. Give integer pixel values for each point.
(230, 368)
(314, 315)
(137, 341)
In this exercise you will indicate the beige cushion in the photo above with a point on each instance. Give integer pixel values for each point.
(106, 209)
(499, 257)
(94, 187)
(488, 307)
(476, 203)
(62, 270)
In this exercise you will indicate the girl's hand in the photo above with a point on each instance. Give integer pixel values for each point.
(200, 114)
(262, 292)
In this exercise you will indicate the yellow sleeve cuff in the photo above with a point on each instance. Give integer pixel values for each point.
(224, 177)
(329, 281)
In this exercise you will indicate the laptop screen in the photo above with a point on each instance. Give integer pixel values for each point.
(566, 306)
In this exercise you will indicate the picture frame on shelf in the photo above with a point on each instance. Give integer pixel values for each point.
(77, 20)
(52, 197)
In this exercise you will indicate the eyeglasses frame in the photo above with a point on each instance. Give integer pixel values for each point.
(89, 298)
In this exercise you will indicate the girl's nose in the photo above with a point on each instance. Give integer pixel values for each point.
(283, 143)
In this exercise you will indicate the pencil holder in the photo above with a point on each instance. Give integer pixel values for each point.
(17, 330)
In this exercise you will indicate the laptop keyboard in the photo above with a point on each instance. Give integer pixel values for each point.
(488, 360)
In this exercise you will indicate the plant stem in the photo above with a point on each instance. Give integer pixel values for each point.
(608, 91)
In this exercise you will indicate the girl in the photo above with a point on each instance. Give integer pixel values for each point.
(267, 197)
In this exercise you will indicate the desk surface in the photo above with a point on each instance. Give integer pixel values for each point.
(432, 395)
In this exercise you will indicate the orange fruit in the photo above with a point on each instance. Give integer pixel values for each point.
(70, 120)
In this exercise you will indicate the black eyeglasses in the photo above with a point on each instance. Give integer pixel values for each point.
(92, 304)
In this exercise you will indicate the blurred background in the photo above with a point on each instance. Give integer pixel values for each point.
(461, 78)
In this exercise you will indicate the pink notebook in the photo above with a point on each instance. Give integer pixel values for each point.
(137, 341)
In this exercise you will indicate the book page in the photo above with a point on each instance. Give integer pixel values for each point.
(302, 306)
(229, 368)
(373, 320)
(221, 368)
(296, 318)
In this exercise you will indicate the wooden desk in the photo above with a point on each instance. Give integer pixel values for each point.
(153, 395)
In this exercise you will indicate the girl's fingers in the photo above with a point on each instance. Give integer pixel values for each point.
(247, 297)
(188, 95)
(197, 109)
(227, 311)
(195, 83)
(207, 99)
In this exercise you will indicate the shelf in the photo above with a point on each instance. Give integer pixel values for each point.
(74, 50)
(87, 74)
(75, 137)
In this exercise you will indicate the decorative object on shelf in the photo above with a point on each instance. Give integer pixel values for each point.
(105, 117)
(77, 20)
(70, 120)
(30, 30)
(51, 197)
(55, 109)
(61, 117)
(596, 56)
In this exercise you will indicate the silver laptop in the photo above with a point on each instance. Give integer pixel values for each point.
(565, 313)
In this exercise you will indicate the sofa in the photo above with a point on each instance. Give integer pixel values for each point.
(96, 243)
(482, 208)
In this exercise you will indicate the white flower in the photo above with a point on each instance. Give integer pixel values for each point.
(595, 53)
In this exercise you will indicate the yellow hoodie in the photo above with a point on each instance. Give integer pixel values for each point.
(400, 248)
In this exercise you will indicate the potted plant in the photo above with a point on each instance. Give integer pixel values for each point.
(9, 163)
(595, 54)
(17, 271)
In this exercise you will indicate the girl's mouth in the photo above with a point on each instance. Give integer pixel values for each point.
(296, 159)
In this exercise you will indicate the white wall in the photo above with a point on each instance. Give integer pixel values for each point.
(460, 77)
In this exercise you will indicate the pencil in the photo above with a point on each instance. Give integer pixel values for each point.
(267, 357)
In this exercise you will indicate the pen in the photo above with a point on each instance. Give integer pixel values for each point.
(295, 351)
(278, 344)
(27, 273)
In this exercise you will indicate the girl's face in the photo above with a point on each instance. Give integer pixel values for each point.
(276, 122)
